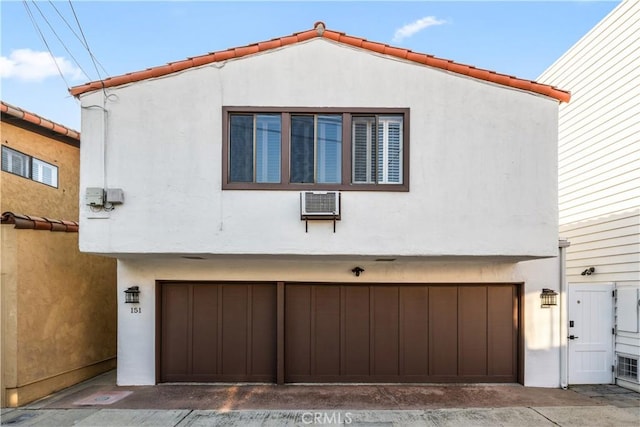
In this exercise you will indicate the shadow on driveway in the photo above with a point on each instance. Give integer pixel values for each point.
(101, 392)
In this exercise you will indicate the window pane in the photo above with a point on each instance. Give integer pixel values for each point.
(45, 173)
(15, 162)
(394, 152)
(302, 155)
(389, 150)
(268, 137)
(363, 142)
(329, 147)
(241, 148)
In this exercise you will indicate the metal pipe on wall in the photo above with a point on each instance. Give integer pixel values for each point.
(562, 271)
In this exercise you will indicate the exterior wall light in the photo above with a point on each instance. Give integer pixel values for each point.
(357, 271)
(132, 295)
(548, 298)
(589, 271)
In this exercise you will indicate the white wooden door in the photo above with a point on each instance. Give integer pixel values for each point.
(590, 340)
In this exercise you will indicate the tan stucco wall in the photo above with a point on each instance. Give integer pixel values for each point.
(8, 309)
(58, 305)
(33, 198)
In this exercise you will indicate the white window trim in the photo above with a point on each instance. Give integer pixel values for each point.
(31, 164)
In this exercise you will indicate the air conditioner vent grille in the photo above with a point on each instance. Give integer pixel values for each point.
(314, 204)
(320, 203)
(628, 368)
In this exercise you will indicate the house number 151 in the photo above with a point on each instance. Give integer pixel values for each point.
(136, 310)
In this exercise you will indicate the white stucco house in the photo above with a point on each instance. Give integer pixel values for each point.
(324, 208)
(599, 194)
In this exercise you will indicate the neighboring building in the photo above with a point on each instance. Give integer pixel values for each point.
(438, 228)
(58, 308)
(599, 194)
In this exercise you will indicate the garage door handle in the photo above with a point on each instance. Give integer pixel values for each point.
(572, 337)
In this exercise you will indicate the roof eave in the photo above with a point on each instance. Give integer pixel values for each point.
(319, 31)
(39, 121)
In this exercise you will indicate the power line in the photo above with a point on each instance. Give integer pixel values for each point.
(35, 24)
(75, 34)
(86, 45)
(60, 40)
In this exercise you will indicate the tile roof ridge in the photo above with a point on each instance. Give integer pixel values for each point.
(37, 120)
(32, 222)
(319, 30)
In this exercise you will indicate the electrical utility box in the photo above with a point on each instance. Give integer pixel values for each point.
(94, 196)
(115, 196)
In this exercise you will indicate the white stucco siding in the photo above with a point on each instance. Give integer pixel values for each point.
(136, 332)
(482, 162)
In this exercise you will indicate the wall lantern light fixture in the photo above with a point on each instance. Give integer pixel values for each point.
(548, 298)
(357, 271)
(589, 271)
(132, 295)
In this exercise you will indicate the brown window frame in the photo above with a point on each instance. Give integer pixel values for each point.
(346, 184)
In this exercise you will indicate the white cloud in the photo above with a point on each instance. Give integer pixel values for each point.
(419, 25)
(34, 66)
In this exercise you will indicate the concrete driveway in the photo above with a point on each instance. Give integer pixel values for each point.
(99, 402)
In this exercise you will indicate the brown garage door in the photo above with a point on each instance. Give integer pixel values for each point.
(408, 333)
(217, 332)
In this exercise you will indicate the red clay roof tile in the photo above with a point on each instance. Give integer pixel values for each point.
(306, 35)
(458, 68)
(374, 47)
(201, 60)
(31, 222)
(479, 73)
(320, 30)
(351, 41)
(396, 51)
(269, 44)
(35, 119)
(246, 50)
(181, 65)
(432, 61)
(289, 40)
(332, 35)
(224, 55)
(522, 84)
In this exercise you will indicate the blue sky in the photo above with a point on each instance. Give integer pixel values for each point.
(520, 38)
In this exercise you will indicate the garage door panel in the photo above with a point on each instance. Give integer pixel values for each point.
(472, 330)
(356, 331)
(502, 340)
(205, 330)
(443, 331)
(234, 329)
(298, 330)
(384, 330)
(414, 331)
(217, 332)
(339, 332)
(263, 334)
(175, 323)
(326, 325)
(391, 333)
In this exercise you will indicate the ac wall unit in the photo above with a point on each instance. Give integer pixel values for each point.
(319, 205)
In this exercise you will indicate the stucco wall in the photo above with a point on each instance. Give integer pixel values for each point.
(62, 305)
(482, 162)
(23, 195)
(8, 310)
(58, 318)
(136, 338)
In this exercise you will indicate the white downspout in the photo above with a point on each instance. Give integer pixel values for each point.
(563, 244)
